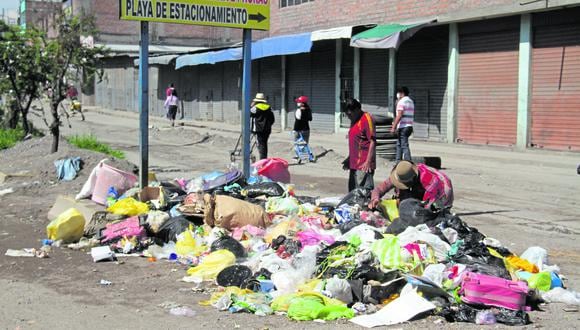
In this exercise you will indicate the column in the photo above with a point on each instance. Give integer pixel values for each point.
(524, 82)
(452, 82)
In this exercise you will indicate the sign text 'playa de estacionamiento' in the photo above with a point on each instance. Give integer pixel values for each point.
(247, 14)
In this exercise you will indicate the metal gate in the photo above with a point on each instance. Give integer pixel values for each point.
(374, 80)
(210, 90)
(555, 111)
(298, 83)
(322, 94)
(488, 81)
(422, 66)
(269, 82)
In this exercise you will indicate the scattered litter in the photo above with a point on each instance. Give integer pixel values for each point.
(182, 311)
(105, 282)
(6, 191)
(102, 253)
(20, 253)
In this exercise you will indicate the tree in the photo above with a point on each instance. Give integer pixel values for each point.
(69, 60)
(23, 68)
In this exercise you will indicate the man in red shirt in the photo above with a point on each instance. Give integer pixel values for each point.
(361, 148)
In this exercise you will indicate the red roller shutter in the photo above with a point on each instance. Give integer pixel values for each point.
(556, 81)
(488, 81)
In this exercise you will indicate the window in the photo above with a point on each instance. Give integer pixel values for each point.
(288, 3)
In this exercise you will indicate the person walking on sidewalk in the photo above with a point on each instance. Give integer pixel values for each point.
(169, 90)
(403, 124)
(303, 117)
(361, 160)
(171, 104)
(262, 121)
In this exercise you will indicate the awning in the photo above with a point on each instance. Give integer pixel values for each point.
(387, 36)
(163, 59)
(282, 45)
(344, 32)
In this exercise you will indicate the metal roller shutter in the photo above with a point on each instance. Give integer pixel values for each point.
(232, 92)
(555, 111)
(322, 95)
(488, 81)
(374, 78)
(210, 92)
(189, 91)
(425, 74)
(270, 76)
(298, 82)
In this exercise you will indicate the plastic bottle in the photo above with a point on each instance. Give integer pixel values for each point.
(485, 317)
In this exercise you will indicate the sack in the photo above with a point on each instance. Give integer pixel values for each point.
(493, 291)
(68, 226)
(229, 213)
(275, 169)
(127, 227)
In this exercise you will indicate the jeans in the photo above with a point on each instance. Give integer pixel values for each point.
(262, 139)
(403, 150)
(305, 135)
(360, 179)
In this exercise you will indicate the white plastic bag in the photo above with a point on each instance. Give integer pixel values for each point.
(413, 234)
(87, 189)
(536, 255)
(339, 289)
(435, 273)
(562, 295)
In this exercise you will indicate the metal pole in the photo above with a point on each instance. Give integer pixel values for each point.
(246, 90)
(144, 105)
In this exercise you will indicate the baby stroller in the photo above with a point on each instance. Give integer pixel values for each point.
(303, 152)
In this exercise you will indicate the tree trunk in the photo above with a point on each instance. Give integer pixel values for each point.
(12, 117)
(54, 126)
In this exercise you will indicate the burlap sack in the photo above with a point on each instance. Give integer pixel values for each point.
(229, 213)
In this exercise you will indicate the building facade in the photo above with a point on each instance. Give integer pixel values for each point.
(482, 72)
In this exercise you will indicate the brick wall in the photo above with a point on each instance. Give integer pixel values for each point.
(321, 14)
(42, 15)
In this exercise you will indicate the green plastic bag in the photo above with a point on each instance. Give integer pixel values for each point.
(129, 207)
(388, 252)
(313, 308)
(285, 205)
(541, 281)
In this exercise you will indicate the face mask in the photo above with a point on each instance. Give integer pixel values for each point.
(298, 104)
(399, 95)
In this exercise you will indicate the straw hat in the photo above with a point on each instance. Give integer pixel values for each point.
(260, 97)
(403, 174)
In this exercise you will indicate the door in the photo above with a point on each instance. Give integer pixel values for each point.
(488, 81)
(555, 100)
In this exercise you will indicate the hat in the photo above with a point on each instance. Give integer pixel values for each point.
(403, 174)
(301, 99)
(260, 98)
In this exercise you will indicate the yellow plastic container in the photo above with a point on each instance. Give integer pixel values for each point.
(68, 226)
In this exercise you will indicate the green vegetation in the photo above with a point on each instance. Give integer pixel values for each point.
(90, 142)
(9, 137)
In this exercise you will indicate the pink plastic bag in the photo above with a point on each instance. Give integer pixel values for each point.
(493, 291)
(313, 238)
(127, 227)
(108, 176)
(251, 230)
(276, 169)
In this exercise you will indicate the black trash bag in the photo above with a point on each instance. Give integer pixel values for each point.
(235, 192)
(270, 189)
(236, 275)
(172, 188)
(277, 242)
(345, 227)
(464, 232)
(357, 196)
(467, 313)
(263, 273)
(413, 212)
(231, 244)
(169, 230)
(367, 273)
(475, 255)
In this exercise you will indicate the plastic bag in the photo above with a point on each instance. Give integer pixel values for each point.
(282, 302)
(562, 295)
(358, 196)
(536, 255)
(270, 189)
(541, 281)
(186, 244)
(273, 168)
(230, 244)
(310, 308)
(129, 207)
(389, 208)
(284, 228)
(388, 252)
(212, 265)
(155, 219)
(285, 205)
(313, 238)
(169, 230)
(69, 226)
(339, 289)
(412, 234)
(435, 273)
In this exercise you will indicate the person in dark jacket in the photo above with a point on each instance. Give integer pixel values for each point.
(303, 116)
(262, 121)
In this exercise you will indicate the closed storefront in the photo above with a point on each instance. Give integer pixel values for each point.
(232, 93)
(269, 83)
(312, 74)
(488, 81)
(422, 67)
(555, 97)
(210, 92)
(374, 79)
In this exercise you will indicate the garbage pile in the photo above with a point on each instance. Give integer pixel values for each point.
(270, 250)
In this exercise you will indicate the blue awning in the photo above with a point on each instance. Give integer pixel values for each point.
(282, 45)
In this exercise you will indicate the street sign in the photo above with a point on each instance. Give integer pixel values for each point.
(246, 14)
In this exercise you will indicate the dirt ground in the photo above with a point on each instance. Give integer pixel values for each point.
(520, 198)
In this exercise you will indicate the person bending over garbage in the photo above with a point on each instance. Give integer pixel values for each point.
(416, 181)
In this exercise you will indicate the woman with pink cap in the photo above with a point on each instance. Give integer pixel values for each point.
(303, 116)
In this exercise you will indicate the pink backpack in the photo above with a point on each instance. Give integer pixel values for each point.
(127, 227)
(493, 291)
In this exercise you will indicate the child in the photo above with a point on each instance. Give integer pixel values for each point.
(171, 105)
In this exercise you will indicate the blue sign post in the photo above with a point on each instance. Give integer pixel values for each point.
(246, 96)
(144, 105)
